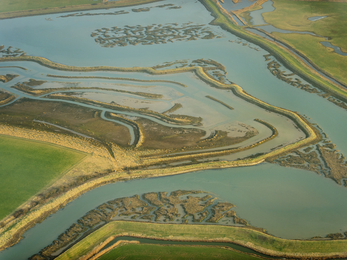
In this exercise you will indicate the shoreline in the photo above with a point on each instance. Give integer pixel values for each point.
(73, 8)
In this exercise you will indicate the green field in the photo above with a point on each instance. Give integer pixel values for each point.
(146, 251)
(20, 5)
(293, 15)
(28, 166)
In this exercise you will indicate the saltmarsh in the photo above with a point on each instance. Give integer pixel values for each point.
(256, 240)
(10, 6)
(27, 166)
(12, 9)
(325, 58)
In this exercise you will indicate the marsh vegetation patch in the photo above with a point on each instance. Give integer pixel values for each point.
(292, 79)
(10, 52)
(8, 77)
(151, 34)
(5, 97)
(87, 121)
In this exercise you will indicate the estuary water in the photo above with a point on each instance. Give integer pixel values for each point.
(288, 203)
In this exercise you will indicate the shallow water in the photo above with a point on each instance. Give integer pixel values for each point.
(271, 28)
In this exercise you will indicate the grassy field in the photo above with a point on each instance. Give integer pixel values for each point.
(146, 251)
(293, 15)
(246, 237)
(20, 5)
(323, 57)
(26, 167)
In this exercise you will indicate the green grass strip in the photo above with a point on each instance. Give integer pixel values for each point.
(147, 251)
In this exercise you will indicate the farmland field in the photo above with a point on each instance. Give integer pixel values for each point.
(28, 166)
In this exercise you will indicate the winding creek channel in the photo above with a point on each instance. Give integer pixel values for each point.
(287, 202)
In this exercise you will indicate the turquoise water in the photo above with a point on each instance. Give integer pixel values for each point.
(289, 203)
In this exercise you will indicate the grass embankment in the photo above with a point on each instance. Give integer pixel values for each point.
(255, 240)
(224, 20)
(12, 9)
(293, 15)
(146, 251)
(28, 166)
